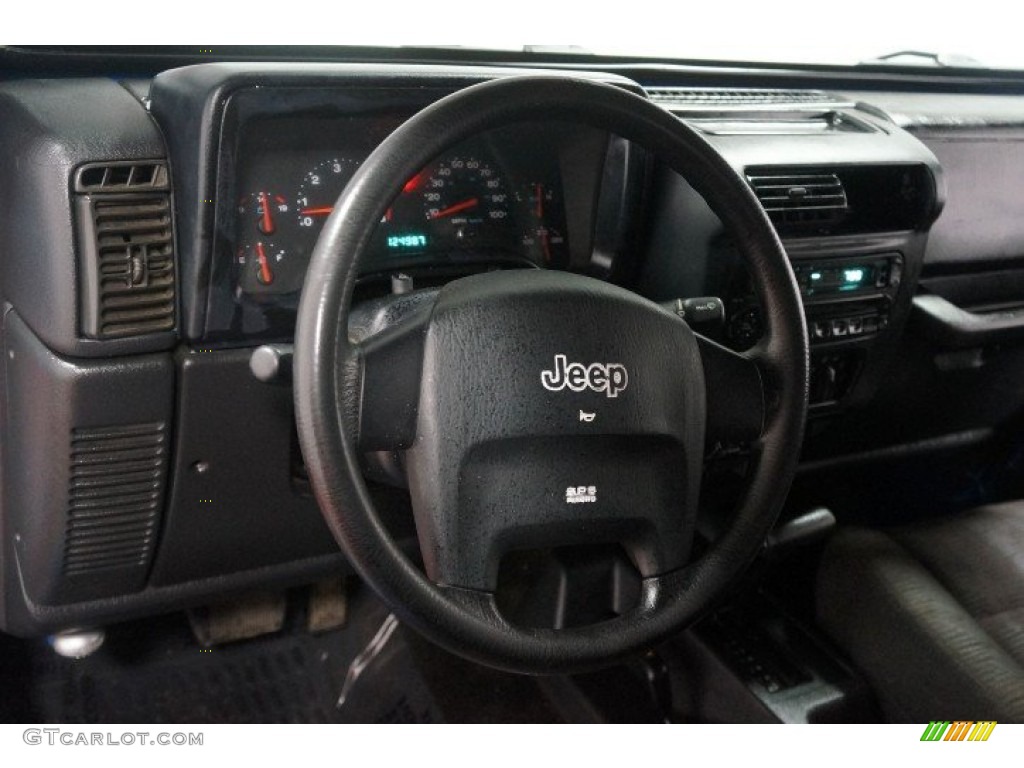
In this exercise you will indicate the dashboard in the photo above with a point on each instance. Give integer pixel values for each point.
(165, 225)
(278, 146)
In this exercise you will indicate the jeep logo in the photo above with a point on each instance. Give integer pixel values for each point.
(609, 378)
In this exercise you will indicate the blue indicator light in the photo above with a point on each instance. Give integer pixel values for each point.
(853, 275)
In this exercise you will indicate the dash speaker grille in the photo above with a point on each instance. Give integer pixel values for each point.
(116, 488)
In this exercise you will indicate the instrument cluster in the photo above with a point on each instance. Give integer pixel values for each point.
(478, 204)
(526, 195)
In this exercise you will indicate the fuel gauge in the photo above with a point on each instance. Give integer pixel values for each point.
(264, 268)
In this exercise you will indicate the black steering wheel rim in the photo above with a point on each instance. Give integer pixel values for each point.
(328, 378)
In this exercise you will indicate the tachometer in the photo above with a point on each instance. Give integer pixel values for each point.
(320, 189)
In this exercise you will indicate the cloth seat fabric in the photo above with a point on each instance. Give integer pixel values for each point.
(933, 613)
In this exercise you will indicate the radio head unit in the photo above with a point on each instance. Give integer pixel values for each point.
(841, 278)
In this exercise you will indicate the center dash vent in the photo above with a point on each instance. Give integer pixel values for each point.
(800, 201)
(128, 264)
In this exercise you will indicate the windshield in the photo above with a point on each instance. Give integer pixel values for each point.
(865, 32)
(812, 32)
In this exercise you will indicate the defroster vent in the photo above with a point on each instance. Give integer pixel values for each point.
(121, 177)
(128, 270)
(710, 98)
(116, 489)
(800, 201)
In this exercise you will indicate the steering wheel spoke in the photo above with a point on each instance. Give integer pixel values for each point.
(390, 364)
(735, 394)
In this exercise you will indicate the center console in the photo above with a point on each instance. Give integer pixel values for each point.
(852, 200)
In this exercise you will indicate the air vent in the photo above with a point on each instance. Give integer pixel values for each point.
(116, 488)
(121, 177)
(129, 265)
(801, 201)
(705, 98)
(762, 112)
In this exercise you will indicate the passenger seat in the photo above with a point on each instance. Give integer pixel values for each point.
(933, 613)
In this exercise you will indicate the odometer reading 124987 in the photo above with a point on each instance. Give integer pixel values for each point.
(407, 242)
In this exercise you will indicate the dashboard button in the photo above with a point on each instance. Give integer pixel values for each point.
(856, 326)
(839, 328)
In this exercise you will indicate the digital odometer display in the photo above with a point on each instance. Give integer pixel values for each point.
(404, 242)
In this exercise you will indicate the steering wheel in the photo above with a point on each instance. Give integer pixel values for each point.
(486, 389)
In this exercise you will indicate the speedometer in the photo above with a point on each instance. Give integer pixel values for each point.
(466, 196)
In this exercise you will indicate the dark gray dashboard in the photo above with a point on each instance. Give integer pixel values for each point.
(201, 474)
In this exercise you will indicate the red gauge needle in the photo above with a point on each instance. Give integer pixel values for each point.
(472, 202)
(415, 182)
(266, 222)
(545, 243)
(539, 192)
(266, 276)
(323, 210)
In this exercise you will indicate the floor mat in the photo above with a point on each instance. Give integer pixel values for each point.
(155, 672)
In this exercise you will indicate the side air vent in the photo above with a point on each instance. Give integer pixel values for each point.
(704, 98)
(128, 251)
(801, 201)
(121, 177)
(116, 487)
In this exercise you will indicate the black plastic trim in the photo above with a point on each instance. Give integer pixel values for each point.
(49, 129)
(51, 403)
(28, 618)
(951, 327)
